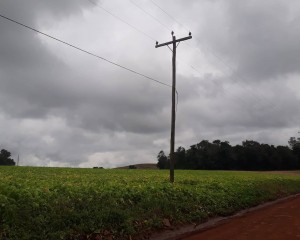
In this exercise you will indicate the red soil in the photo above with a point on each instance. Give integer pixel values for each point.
(280, 221)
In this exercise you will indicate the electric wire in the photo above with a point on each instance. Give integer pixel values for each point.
(135, 28)
(85, 51)
(138, 30)
(166, 27)
(198, 40)
(120, 19)
(174, 19)
(228, 66)
(149, 14)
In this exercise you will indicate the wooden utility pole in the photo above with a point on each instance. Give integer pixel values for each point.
(173, 114)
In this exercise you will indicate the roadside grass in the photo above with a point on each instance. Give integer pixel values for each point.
(65, 203)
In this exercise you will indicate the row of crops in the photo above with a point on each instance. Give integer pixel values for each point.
(65, 203)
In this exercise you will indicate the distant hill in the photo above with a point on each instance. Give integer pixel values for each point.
(140, 166)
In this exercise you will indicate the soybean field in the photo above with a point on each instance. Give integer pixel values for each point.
(69, 203)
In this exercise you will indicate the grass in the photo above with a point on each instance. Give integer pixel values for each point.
(62, 203)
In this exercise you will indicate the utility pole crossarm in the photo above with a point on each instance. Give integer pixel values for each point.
(171, 42)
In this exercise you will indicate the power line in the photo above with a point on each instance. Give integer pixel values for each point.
(143, 10)
(174, 19)
(179, 23)
(198, 40)
(120, 19)
(227, 65)
(138, 30)
(149, 15)
(85, 51)
(135, 28)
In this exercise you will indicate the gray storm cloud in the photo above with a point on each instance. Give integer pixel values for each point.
(237, 78)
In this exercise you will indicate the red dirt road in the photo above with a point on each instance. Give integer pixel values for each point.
(280, 221)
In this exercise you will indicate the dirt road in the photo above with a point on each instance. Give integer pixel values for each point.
(280, 221)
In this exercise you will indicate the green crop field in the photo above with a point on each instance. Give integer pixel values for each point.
(64, 203)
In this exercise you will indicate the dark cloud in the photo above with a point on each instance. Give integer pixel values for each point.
(60, 107)
(259, 39)
(32, 11)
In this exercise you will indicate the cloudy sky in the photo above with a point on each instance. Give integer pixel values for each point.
(237, 79)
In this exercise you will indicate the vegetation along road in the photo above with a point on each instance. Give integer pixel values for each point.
(64, 203)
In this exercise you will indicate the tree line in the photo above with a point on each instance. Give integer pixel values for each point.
(251, 155)
(5, 158)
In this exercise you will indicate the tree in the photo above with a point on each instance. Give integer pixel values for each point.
(180, 158)
(251, 155)
(294, 143)
(5, 158)
(226, 156)
(163, 161)
(132, 167)
(295, 146)
(288, 159)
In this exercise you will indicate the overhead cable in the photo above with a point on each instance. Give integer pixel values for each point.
(122, 20)
(85, 51)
